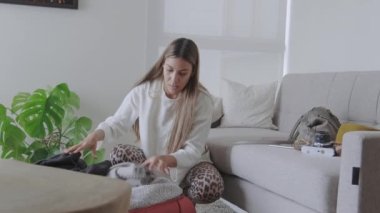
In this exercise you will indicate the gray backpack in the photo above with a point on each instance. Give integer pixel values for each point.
(316, 120)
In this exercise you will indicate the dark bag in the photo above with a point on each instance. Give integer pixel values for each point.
(75, 163)
(64, 161)
(316, 124)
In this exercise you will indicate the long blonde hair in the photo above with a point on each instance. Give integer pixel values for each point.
(185, 104)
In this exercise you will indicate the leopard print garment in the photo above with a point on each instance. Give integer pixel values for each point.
(127, 153)
(202, 184)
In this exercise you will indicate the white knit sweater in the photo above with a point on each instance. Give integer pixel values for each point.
(155, 111)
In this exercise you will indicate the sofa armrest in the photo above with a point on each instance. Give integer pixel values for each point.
(359, 180)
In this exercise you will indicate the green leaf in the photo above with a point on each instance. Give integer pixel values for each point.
(78, 130)
(61, 94)
(10, 134)
(33, 103)
(36, 145)
(6, 153)
(49, 125)
(4, 120)
(38, 95)
(13, 145)
(74, 100)
(38, 154)
(69, 119)
(19, 153)
(3, 111)
(41, 114)
(32, 121)
(13, 154)
(68, 98)
(19, 100)
(62, 90)
(53, 151)
(55, 113)
(13, 135)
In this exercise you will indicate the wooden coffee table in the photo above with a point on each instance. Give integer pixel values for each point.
(31, 188)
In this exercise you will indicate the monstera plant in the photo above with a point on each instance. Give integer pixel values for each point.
(43, 123)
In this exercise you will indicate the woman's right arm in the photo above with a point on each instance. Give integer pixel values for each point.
(115, 125)
(89, 142)
(121, 121)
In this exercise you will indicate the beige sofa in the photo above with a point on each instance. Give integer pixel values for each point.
(265, 179)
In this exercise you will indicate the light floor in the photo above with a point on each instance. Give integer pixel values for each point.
(233, 206)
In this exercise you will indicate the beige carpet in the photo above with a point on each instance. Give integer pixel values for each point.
(218, 206)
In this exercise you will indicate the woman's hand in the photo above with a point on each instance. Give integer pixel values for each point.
(160, 163)
(88, 143)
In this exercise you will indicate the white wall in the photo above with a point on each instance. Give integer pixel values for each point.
(334, 35)
(99, 50)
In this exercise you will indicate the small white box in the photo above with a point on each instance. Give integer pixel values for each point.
(318, 151)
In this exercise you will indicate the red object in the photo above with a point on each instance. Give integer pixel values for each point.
(181, 204)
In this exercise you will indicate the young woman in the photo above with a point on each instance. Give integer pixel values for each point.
(170, 112)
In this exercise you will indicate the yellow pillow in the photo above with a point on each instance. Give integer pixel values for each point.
(349, 127)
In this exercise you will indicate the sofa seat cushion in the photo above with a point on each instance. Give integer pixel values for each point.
(311, 181)
(221, 140)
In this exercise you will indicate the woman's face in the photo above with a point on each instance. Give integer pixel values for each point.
(177, 72)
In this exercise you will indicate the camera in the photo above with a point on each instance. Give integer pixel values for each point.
(322, 139)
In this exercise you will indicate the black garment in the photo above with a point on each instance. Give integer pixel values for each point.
(65, 161)
(72, 161)
(101, 168)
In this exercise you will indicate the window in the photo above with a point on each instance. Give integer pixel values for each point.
(240, 40)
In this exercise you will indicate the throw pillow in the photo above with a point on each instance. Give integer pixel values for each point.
(250, 106)
(349, 127)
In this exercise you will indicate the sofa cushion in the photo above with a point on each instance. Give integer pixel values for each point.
(311, 181)
(250, 106)
(350, 127)
(221, 140)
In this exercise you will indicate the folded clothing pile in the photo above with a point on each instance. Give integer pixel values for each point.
(149, 188)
